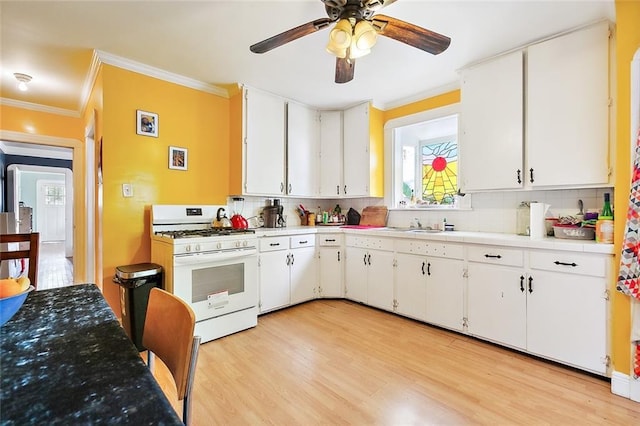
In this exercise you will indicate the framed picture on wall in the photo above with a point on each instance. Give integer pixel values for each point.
(177, 158)
(146, 123)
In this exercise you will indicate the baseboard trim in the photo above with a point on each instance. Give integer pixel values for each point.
(625, 386)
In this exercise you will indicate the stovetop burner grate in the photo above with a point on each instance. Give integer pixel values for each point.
(209, 232)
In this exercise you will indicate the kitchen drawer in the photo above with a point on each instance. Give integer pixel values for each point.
(451, 251)
(298, 241)
(330, 240)
(572, 263)
(370, 242)
(274, 243)
(411, 246)
(496, 255)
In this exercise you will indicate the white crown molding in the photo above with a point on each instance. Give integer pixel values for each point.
(89, 81)
(454, 85)
(39, 107)
(128, 64)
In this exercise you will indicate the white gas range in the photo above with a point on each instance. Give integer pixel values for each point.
(213, 269)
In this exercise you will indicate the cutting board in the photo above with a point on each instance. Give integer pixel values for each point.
(374, 216)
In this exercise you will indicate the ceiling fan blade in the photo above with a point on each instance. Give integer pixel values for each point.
(410, 34)
(345, 69)
(290, 35)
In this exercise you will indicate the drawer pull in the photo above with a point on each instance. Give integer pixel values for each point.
(274, 244)
(557, 262)
(496, 256)
(304, 242)
(330, 240)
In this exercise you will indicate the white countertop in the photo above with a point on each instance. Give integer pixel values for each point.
(509, 240)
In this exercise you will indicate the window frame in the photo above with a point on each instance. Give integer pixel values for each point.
(391, 153)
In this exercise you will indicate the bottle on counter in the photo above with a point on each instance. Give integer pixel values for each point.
(604, 224)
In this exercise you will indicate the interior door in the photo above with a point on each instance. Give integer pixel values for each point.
(51, 203)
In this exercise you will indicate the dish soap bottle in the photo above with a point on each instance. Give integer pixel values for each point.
(604, 225)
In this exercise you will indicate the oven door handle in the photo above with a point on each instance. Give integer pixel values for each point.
(208, 257)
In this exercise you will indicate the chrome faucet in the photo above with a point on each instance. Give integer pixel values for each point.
(418, 224)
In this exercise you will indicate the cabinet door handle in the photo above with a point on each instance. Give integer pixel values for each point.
(337, 189)
(530, 286)
(496, 256)
(369, 259)
(288, 259)
(364, 259)
(338, 256)
(522, 283)
(423, 263)
(429, 269)
(292, 259)
(519, 178)
(281, 187)
(531, 175)
(289, 188)
(274, 244)
(345, 190)
(557, 262)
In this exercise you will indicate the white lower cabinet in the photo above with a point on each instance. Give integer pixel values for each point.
(331, 265)
(286, 271)
(430, 289)
(567, 309)
(555, 308)
(497, 304)
(369, 271)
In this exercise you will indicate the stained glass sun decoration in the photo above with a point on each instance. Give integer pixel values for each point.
(440, 172)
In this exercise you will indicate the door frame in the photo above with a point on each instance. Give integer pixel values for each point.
(79, 200)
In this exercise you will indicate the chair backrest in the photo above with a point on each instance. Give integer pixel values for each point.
(168, 333)
(33, 239)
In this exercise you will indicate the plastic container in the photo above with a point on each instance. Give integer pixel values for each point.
(574, 232)
(136, 281)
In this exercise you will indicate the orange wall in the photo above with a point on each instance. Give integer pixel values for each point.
(423, 105)
(188, 119)
(627, 43)
(376, 152)
(40, 123)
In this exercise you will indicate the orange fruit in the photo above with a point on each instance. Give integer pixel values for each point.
(9, 287)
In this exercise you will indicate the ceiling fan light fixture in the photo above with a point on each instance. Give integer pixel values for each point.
(336, 51)
(23, 79)
(365, 35)
(341, 34)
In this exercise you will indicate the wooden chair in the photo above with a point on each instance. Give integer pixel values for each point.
(168, 333)
(31, 253)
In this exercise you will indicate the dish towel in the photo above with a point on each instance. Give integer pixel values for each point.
(629, 274)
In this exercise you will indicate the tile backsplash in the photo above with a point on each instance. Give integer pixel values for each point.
(488, 212)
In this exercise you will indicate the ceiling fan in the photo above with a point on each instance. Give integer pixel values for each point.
(354, 33)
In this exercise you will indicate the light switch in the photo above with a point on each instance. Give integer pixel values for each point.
(127, 190)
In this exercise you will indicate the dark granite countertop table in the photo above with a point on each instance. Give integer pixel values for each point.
(65, 359)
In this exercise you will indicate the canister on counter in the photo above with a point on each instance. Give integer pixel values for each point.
(311, 219)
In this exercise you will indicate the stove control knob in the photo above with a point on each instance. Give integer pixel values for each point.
(187, 248)
(245, 243)
(197, 247)
(238, 243)
(219, 245)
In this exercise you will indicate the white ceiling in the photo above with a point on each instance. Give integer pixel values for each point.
(209, 41)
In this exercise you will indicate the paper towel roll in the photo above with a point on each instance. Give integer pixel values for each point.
(536, 224)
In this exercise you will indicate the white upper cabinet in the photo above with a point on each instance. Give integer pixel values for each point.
(356, 168)
(568, 109)
(491, 134)
(331, 153)
(559, 93)
(303, 134)
(264, 143)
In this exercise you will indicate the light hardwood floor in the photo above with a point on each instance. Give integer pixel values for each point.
(334, 362)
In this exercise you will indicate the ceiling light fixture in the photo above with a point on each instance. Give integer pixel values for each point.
(350, 39)
(23, 79)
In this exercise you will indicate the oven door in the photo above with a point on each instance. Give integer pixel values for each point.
(218, 283)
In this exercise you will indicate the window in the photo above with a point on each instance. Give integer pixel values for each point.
(426, 163)
(54, 195)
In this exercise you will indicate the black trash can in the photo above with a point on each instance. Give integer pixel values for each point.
(136, 281)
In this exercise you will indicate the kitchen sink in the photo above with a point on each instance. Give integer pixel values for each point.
(424, 231)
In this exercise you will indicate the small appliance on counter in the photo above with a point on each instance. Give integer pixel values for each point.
(272, 214)
(237, 220)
